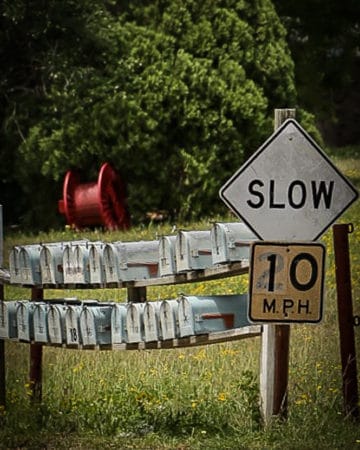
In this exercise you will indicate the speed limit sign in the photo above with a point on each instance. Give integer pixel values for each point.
(286, 282)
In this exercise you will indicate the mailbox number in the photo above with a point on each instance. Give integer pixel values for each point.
(293, 273)
(73, 334)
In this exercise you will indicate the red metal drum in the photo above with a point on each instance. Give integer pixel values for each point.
(100, 203)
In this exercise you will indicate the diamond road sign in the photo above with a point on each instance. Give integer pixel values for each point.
(289, 189)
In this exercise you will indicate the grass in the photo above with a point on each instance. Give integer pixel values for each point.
(198, 398)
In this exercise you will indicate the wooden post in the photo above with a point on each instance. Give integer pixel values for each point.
(136, 294)
(345, 318)
(275, 343)
(36, 351)
(2, 342)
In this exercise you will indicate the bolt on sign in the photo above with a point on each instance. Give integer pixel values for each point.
(289, 189)
(286, 282)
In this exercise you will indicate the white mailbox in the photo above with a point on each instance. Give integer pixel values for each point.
(72, 325)
(167, 257)
(151, 321)
(8, 325)
(14, 265)
(134, 322)
(230, 242)
(29, 258)
(111, 264)
(96, 263)
(95, 325)
(201, 315)
(75, 262)
(24, 320)
(193, 250)
(118, 323)
(56, 323)
(168, 319)
(138, 260)
(51, 264)
(40, 322)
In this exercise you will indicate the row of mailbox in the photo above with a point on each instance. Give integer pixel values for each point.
(99, 263)
(91, 323)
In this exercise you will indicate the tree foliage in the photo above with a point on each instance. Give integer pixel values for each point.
(176, 94)
(324, 38)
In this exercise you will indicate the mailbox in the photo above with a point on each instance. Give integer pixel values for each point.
(230, 242)
(51, 264)
(72, 325)
(202, 315)
(40, 322)
(29, 258)
(168, 319)
(151, 321)
(118, 323)
(95, 325)
(138, 260)
(167, 257)
(24, 320)
(193, 250)
(75, 262)
(96, 263)
(111, 263)
(56, 323)
(14, 266)
(134, 322)
(8, 325)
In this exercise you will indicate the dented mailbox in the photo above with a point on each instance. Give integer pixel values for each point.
(230, 242)
(201, 315)
(193, 250)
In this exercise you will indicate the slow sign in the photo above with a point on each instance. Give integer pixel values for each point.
(286, 282)
(289, 189)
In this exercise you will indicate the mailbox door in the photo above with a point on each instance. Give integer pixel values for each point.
(96, 266)
(29, 258)
(185, 318)
(167, 260)
(14, 265)
(134, 322)
(151, 321)
(72, 328)
(24, 319)
(56, 324)
(8, 326)
(168, 314)
(40, 323)
(118, 319)
(88, 326)
(111, 264)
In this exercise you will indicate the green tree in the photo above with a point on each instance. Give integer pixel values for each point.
(324, 38)
(175, 94)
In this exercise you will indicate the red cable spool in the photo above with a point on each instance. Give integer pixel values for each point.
(98, 203)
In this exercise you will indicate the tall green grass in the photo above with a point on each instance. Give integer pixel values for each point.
(204, 397)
